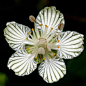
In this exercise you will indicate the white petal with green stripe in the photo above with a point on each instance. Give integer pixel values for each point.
(52, 70)
(70, 44)
(51, 17)
(16, 35)
(22, 63)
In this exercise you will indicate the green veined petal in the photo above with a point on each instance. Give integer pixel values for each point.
(16, 35)
(51, 17)
(22, 63)
(71, 45)
(52, 70)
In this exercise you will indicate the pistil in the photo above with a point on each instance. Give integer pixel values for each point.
(41, 50)
(42, 40)
(49, 46)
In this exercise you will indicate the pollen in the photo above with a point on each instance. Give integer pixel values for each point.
(27, 38)
(35, 57)
(32, 29)
(57, 36)
(31, 53)
(28, 32)
(58, 41)
(46, 26)
(44, 58)
(58, 47)
(41, 24)
(28, 48)
(51, 28)
(49, 57)
(54, 54)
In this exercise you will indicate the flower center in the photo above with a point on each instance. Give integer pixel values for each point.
(43, 46)
(42, 40)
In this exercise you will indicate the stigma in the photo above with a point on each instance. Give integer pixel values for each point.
(41, 50)
(49, 46)
(42, 40)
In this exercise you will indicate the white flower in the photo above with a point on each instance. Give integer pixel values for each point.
(47, 46)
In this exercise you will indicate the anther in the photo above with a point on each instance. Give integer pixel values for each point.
(61, 25)
(46, 26)
(57, 36)
(32, 18)
(28, 32)
(54, 54)
(58, 41)
(27, 38)
(58, 47)
(32, 29)
(28, 48)
(35, 57)
(49, 57)
(31, 53)
(51, 28)
(41, 24)
(44, 58)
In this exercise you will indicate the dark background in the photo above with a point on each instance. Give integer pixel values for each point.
(75, 20)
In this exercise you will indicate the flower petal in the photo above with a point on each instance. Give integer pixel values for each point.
(52, 70)
(22, 63)
(17, 35)
(70, 45)
(51, 17)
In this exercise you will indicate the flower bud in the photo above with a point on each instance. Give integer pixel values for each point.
(61, 25)
(32, 18)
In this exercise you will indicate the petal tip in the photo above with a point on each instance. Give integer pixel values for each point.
(53, 7)
(10, 22)
(50, 7)
(81, 35)
(8, 66)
